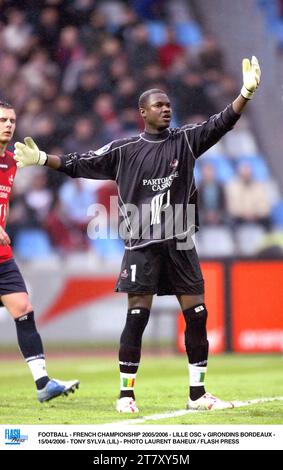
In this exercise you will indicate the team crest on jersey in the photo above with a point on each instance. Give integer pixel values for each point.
(174, 163)
(103, 150)
(124, 274)
(11, 179)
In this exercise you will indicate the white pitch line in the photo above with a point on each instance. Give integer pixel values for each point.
(174, 414)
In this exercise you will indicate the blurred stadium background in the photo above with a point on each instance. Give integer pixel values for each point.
(73, 70)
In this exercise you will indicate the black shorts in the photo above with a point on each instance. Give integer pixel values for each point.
(161, 269)
(11, 280)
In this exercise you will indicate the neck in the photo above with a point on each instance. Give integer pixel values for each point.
(2, 149)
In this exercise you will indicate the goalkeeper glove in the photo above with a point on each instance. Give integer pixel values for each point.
(29, 154)
(251, 77)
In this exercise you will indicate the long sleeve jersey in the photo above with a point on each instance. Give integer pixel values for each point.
(155, 177)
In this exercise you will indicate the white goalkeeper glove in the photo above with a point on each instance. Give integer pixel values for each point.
(251, 77)
(29, 154)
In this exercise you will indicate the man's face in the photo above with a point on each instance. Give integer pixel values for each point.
(157, 112)
(7, 125)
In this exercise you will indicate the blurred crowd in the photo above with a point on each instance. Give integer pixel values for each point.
(73, 70)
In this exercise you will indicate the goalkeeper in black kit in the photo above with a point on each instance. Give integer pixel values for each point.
(154, 174)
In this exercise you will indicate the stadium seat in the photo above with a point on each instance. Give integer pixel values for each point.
(217, 150)
(274, 23)
(157, 33)
(31, 244)
(248, 238)
(277, 215)
(277, 29)
(215, 241)
(108, 249)
(223, 169)
(258, 165)
(240, 142)
(188, 33)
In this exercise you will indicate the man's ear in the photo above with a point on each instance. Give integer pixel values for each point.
(143, 112)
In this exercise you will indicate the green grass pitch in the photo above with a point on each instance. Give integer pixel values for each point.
(162, 386)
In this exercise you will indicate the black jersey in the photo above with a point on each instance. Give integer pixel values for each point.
(154, 174)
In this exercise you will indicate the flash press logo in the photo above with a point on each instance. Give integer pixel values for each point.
(13, 437)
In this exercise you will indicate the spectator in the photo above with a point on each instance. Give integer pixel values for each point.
(77, 212)
(82, 136)
(48, 29)
(192, 96)
(61, 231)
(39, 196)
(211, 197)
(17, 35)
(141, 52)
(170, 50)
(247, 198)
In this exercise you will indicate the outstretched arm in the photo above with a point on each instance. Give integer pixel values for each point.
(53, 161)
(99, 164)
(251, 80)
(28, 154)
(205, 135)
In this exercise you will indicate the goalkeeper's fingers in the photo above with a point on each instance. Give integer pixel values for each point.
(256, 68)
(18, 157)
(246, 65)
(18, 153)
(30, 143)
(254, 61)
(19, 146)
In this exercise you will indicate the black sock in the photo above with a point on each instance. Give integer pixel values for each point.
(40, 383)
(196, 342)
(29, 339)
(30, 343)
(127, 393)
(130, 344)
(196, 392)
